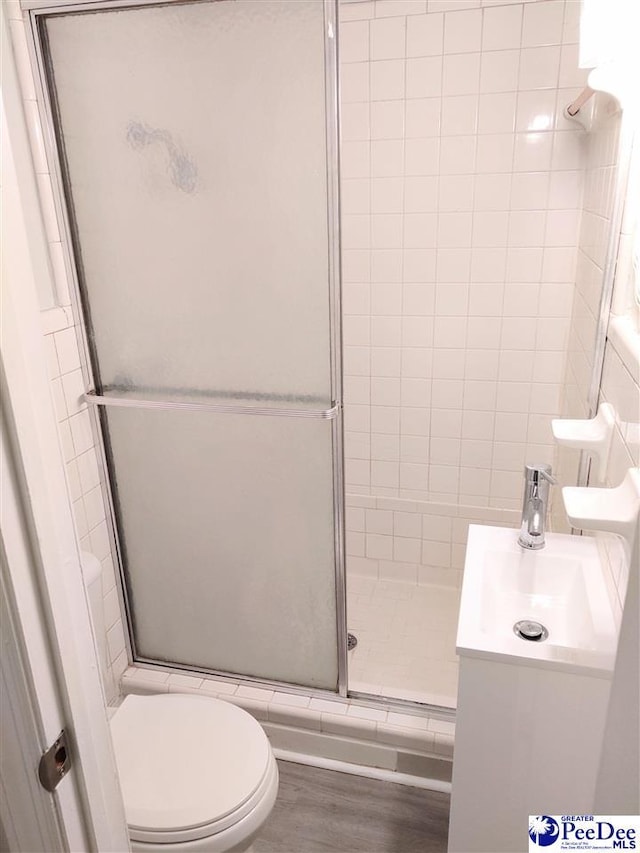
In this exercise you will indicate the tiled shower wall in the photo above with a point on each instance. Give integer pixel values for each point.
(64, 364)
(461, 198)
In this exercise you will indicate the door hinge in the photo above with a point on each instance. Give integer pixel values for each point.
(55, 763)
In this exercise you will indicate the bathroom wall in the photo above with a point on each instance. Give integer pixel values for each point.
(602, 143)
(64, 364)
(440, 393)
(461, 197)
(620, 387)
(620, 382)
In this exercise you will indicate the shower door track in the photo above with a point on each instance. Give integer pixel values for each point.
(37, 11)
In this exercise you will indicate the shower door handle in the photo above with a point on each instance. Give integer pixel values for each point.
(221, 408)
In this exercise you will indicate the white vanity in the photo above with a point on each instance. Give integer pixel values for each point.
(532, 700)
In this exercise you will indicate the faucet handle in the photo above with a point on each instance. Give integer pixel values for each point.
(534, 472)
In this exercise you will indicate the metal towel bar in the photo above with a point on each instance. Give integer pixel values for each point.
(168, 405)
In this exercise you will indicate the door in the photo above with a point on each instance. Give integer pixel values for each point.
(198, 147)
(48, 669)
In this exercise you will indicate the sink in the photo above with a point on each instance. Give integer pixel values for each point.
(531, 714)
(560, 586)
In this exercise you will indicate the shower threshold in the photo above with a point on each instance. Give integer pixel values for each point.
(368, 731)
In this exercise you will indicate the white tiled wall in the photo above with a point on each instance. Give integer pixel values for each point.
(620, 384)
(620, 387)
(67, 387)
(600, 180)
(413, 541)
(620, 380)
(461, 198)
(83, 477)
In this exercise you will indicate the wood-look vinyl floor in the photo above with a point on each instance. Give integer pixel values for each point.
(321, 810)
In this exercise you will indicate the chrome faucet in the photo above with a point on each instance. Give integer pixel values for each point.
(537, 479)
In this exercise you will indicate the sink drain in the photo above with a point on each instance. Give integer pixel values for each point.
(352, 642)
(527, 629)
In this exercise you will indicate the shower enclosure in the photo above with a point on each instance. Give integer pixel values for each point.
(198, 152)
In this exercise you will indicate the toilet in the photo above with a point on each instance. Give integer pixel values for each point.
(197, 774)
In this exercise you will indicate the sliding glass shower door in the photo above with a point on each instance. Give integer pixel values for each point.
(200, 185)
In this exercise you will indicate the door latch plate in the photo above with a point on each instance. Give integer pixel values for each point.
(55, 763)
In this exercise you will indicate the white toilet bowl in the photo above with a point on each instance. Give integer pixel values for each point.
(197, 773)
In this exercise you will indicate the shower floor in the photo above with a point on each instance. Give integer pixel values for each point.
(406, 640)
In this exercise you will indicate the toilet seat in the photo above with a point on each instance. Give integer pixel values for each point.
(190, 766)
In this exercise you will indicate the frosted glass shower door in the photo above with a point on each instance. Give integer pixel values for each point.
(193, 139)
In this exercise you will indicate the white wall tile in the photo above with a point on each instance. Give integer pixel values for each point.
(354, 41)
(388, 38)
(524, 264)
(354, 82)
(457, 155)
(571, 75)
(571, 28)
(449, 5)
(490, 228)
(454, 229)
(502, 27)
(462, 31)
(387, 120)
(460, 74)
(387, 80)
(532, 152)
(565, 189)
(387, 158)
(22, 60)
(424, 77)
(568, 151)
(459, 115)
(499, 71)
(539, 68)
(420, 194)
(355, 195)
(496, 112)
(536, 110)
(386, 8)
(455, 193)
(529, 190)
(527, 227)
(355, 121)
(425, 35)
(356, 11)
(422, 156)
(419, 265)
(543, 23)
(494, 153)
(387, 195)
(423, 117)
(386, 231)
(492, 191)
(355, 159)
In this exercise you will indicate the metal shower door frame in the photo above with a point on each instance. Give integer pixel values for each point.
(39, 10)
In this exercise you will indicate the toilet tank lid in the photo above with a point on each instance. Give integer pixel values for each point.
(186, 761)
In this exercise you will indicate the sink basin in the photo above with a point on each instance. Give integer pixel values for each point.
(560, 586)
